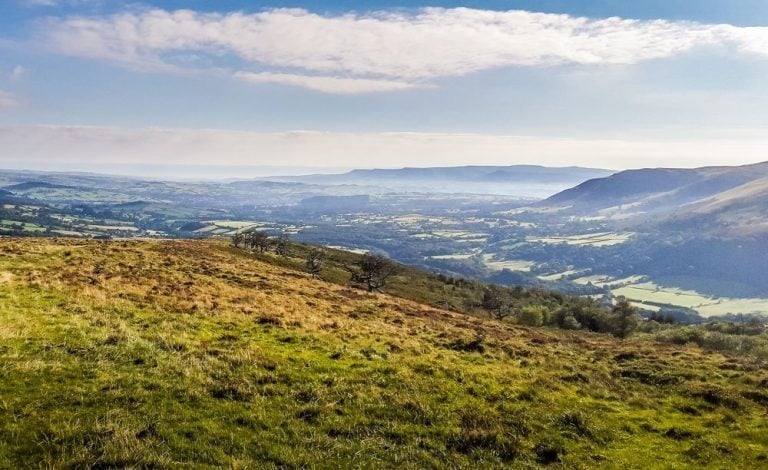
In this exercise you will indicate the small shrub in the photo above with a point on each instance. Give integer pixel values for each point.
(576, 422)
(482, 430)
(549, 452)
(474, 345)
(309, 414)
(269, 320)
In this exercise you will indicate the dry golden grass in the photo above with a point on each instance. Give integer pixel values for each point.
(180, 354)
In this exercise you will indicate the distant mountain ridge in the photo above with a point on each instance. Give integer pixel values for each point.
(656, 189)
(31, 185)
(477, 172)
(523, 180)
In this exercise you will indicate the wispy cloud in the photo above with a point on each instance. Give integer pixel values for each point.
(337, 85)
(8, 100)
(382, 51)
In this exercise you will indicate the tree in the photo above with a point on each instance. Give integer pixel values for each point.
(283, 244)
(251, 240)
(259, 241)
(498, 302)
(314, 262)
(533, 315)
(238, 239)
(373, 272)
(625, 320)
(570, 323)
(591, 317)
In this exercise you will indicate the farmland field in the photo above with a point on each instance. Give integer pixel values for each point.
(590, 239)
(26, 226)
(512, 264)
(706, 306)
(601, 280)
(456, 256)
(558, 276)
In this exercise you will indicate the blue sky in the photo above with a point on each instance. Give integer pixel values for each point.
(360, 84)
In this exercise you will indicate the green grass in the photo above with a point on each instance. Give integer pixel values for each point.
(25, 226)
(705, 305)
(180, 354)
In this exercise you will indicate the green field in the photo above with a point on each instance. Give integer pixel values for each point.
(190, 354)
(705, 305)
(25, 226)
(590, 239)
(107, 228)
(558, 276)
(512, 264)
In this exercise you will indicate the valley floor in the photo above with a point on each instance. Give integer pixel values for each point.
(178, 354)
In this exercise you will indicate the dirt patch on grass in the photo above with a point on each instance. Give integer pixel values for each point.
(5, 277)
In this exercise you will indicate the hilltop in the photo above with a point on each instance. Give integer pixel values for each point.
(658, 190)
(175, 354)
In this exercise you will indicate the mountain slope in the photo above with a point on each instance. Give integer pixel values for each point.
(190, 354)
(739, 211)
(654, 190)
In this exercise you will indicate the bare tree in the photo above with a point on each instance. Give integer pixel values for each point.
(314, 262)
(259, 241)
(498, 301)
(283, 244)
(373, 272)
(238, 239)
(252, 240)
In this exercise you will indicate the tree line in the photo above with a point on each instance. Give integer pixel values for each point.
(503, 302)
(373, 272)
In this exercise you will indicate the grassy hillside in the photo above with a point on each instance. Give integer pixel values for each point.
(740, 211)
(652, 190)
(425, 287)
(180, 354)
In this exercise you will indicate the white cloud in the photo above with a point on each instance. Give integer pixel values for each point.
(408, 48)
(336, 85)
(102, 145)
(7, 100)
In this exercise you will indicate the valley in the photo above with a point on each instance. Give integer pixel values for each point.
(629, 241)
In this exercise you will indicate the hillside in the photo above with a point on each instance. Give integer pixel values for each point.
(742, 210)
(177, 354)
(645, 191)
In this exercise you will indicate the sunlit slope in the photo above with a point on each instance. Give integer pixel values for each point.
(653, 190)
(742, 210)
(185, 354)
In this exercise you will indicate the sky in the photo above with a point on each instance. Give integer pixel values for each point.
(103, 84)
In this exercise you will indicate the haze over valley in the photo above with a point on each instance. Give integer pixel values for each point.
(660, 237)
